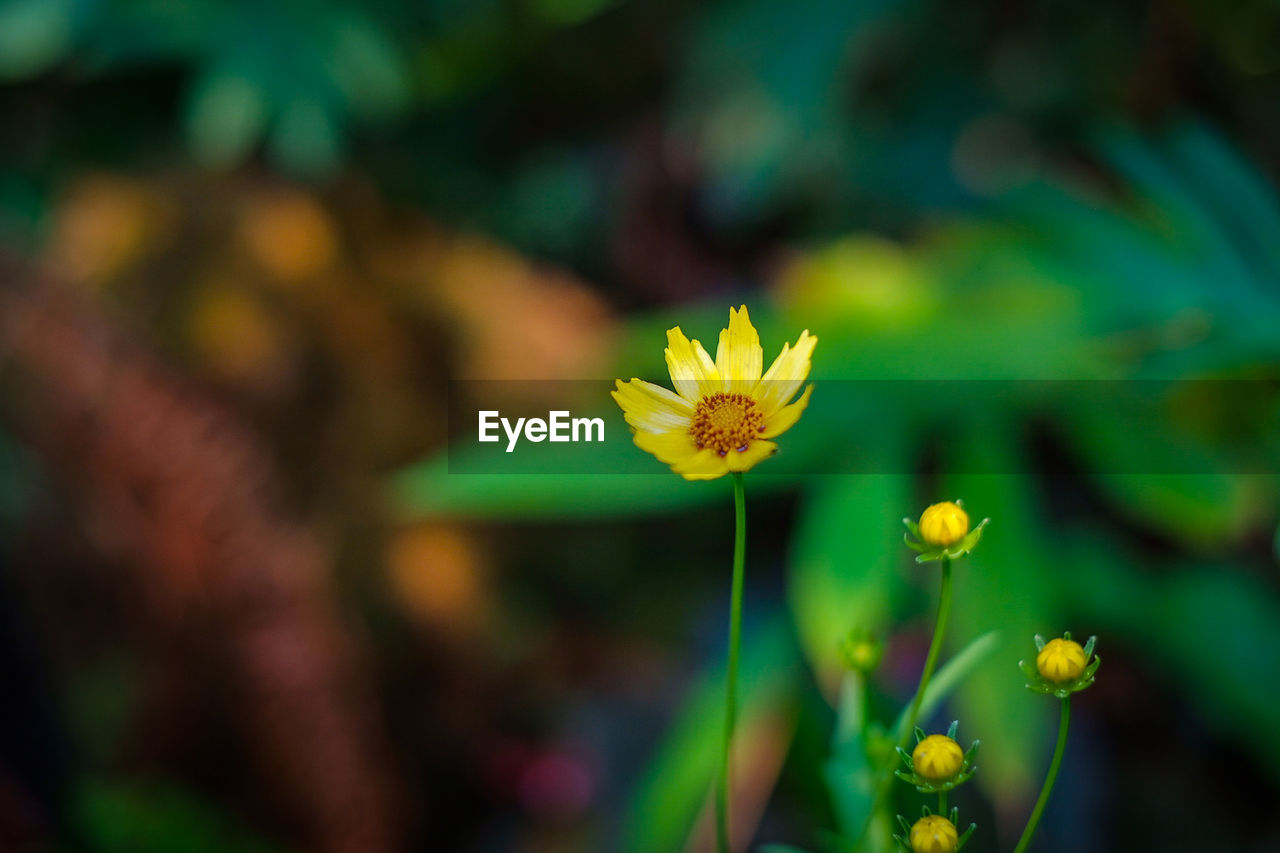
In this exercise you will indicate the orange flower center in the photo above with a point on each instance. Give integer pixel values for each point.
(726, 422)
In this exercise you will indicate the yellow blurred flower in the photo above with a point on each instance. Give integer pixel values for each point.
(513, 319)
(106, 224)
(723, 412)
(937, 758)
(1061, 660)
(290, 235)
(439, 576)
(868, 284)
(239, 340)
(933, 834)
(944, 524)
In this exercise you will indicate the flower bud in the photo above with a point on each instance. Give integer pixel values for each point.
(937, 758)
(944, 524)
(861, 651)
(1061, 660)
(1062, 666)
(933, 834)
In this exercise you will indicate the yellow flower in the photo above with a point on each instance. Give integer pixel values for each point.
(944, 524)
(933, 834)
(937, 758)
(722, 412)
(1061, 660)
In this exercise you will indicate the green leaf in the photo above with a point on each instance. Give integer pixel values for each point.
(226, 114)
(842, 562)
(1198, 509)
(366, 66)
(679, 780)
(847, 773)
(118, 817)
(951, 676)
(1240, 195)
(306, 137)
(758, 87)
(429, 489)
(1135, 450)
(34, 34)
(1209, 629)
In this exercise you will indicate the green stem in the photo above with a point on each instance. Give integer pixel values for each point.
(930, 662)
(731, 678)
(942, 803)
(866, 707)
(1063, 721)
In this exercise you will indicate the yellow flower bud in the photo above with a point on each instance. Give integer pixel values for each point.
(937, 758)
(933, 834)
(864, 656)
(1061, 660)
(861, 650)
(944, 524)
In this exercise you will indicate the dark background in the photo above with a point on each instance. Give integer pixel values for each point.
(246, 246)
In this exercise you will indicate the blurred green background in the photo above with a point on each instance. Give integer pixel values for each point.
(245, 246)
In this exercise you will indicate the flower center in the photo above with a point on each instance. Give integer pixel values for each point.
(726, 422)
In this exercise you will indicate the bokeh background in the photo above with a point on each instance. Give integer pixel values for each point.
(245, 247)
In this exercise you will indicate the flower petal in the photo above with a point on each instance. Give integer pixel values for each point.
(706, 464)
(786, 417)
(678, 450)
(674, 447)
(756, 451)
(693, 373)
(739, 357)
(785, 375)
(651, 407)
